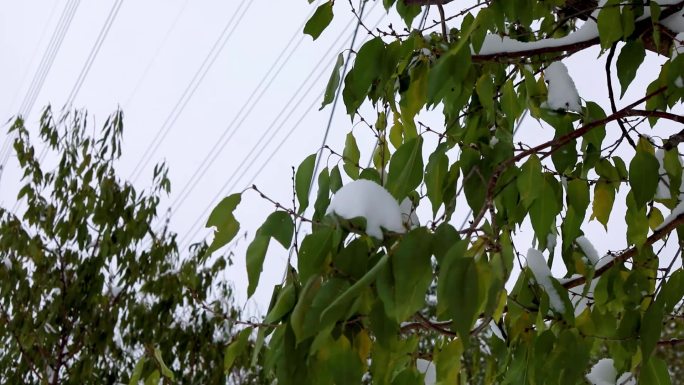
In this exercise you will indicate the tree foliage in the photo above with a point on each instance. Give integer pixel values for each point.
(92, 290)
(358, 309)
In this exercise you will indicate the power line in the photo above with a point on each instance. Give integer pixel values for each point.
(35, 53)
(189, 91)
(104, 31)
(156, 53)
(230, 131)
(196, 227)
(41, 73)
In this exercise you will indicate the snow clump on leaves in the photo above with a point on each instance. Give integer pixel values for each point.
(367, 199)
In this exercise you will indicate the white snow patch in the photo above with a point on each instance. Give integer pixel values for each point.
(8, 264)
(408, 214)
(588, 249)
(364, 198)
(562, 91)
(493, 141)
(677, 211)
(551, 240)
(663, 192)
(428, 368)
(495, 330)
(536, 263)
(678, 48)
(602, 373)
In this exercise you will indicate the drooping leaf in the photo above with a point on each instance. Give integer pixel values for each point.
(235, 349)
(320, 20)
(403, 283)
(435, 174)
(278, 225)
(628, 62)
(223, 219)
(406, 168)
(351, 156)
(643, 176)
(333, 83)
(303, 179)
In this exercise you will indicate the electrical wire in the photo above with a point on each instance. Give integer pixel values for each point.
(189, 91)
(196, 226)
(94, 51)
(231, 129)
(156, 54)
(40, 75)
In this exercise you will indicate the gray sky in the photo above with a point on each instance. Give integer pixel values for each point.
(147, 62)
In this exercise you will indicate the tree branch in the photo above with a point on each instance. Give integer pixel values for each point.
(655, 237)
(641, 27)
(556, 143)
(611, 96)
(657, 114)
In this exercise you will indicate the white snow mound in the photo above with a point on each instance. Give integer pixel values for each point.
(364, 198)
(428, 368)
(408, 214)
(588, 249)
(542, 273)
(562, 91)
(604, 373)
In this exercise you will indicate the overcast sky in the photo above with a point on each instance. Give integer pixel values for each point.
(151, 61)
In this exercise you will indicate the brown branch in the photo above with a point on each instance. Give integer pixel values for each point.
(641, 27)
(671, 342)
(556, 143)
(657, 114)
(629, 253)
(442, 18)
(427, 2)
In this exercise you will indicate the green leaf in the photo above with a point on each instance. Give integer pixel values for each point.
(351, 156)
(485, 91)
(333, 82)
(367, 64)
(256, 252)
(223, 219)
(323, 195)
(544, 209)
(407, 12)
(303, 179)
(283, 305)
(654, 372)
(313, 252)
(404, 281)
(435, 175)
(592, 113)
(165, 371)
(413, 99)
(628, 62)
(464, 300)
(406, 168)
(529, 180)
(337, 306)
(609, 23)
(643, 176)
(650, 329)
(278, 225)
(137, 371)
(604, 196)
(320, 20)
(672, 291)
(335, 179)
(237, 347)
(637, 222)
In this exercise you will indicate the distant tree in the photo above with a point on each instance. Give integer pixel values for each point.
(90, 291)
